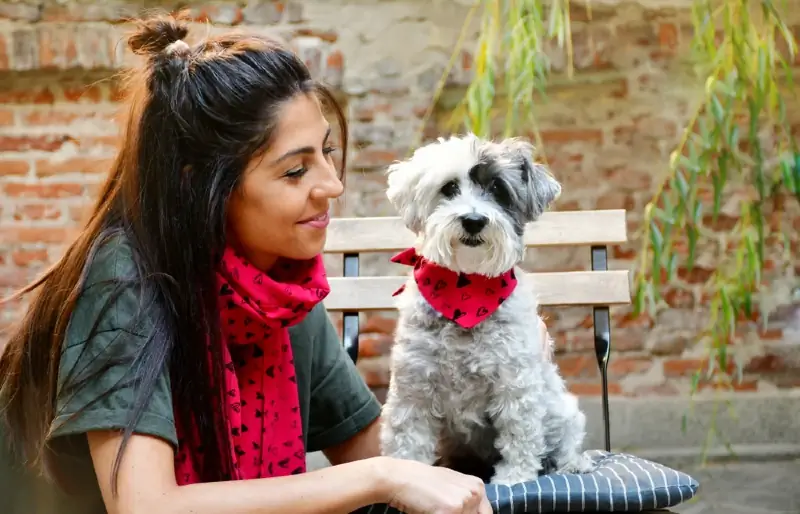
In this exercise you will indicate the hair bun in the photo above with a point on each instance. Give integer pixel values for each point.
(154, 35)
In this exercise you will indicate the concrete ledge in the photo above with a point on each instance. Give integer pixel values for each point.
(755, 426)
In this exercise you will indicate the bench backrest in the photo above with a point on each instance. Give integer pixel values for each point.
(596, 229)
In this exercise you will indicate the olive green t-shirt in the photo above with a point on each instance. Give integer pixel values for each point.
(335, 403)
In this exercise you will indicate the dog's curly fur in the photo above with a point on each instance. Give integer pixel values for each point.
(489, 393)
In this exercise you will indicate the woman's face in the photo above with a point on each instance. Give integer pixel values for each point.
(281, 208)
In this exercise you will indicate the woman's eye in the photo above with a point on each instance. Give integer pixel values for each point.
(328, 150)
(296, 172)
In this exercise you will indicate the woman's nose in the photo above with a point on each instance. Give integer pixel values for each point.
(329, 186)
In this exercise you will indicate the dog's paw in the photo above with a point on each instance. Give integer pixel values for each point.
(580, 463)
(509, 475)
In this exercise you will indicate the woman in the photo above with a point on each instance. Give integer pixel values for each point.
(178, 357)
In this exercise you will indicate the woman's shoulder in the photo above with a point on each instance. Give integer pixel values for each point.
(110, 292)
(111, 259)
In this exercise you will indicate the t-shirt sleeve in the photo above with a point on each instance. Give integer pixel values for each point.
(98, 386)
(341, 403)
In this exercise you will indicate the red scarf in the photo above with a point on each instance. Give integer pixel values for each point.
(465, 298)
(263, 411)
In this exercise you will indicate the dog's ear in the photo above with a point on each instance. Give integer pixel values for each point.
(402, 180)
(540, 187)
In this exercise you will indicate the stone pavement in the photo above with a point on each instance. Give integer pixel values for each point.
(746, 488)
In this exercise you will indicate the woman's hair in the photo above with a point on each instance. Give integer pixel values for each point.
(196, 115)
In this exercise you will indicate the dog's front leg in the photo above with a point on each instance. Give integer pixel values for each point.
(409, 430)
(520, 437)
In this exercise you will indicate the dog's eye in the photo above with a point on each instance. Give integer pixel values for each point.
(450, 189)
(499, 191)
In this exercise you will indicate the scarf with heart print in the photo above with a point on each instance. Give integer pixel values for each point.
(465, 298)
(263, 407)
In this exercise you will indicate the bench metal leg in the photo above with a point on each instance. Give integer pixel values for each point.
(602, 338)
(350, 322)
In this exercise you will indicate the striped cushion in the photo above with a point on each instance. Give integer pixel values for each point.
(620, 483)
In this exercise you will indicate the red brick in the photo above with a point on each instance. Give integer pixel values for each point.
(380, 324)
(46, 168)
(749, 385)
(565, 136)
(26, 234)
(593, 388)
(682, 367)
(42, 190)
(665, 389)
(696, 275)
(374, 158)
(27, 258)
(6, 117)
(57, 47)
(669, 344)
(765, 364)
(622, 366)
(218, 14)
(623, 252)
(678, 298)
(27, 96)
(36, 212)
(374, 345)
(616, 200)
(668, 35)
(577, 365)
(90, 94)
(375, 376)
(723, 223)
(14, 167)
(72, 12)
(622, 340)
(47, 143)
(4, 46)
(328, 36)
(629, 319)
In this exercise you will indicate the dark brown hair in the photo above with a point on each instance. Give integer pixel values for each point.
(196, 115)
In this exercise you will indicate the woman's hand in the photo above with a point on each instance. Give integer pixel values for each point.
(417, 488)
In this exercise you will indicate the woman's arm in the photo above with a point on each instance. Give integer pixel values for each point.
(146, 484)
(363, 445)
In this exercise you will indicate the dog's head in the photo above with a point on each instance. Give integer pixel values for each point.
(469, 199)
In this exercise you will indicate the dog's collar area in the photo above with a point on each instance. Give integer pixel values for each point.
(464, 298)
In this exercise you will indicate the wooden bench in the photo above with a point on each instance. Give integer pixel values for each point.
(599, 288)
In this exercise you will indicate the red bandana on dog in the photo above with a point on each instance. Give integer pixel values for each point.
(263, 411)
(466, 299)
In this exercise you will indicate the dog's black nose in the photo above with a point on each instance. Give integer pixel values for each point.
(473, 223)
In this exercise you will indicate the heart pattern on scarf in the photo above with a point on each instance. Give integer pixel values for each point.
(263, 406)
(464, 298)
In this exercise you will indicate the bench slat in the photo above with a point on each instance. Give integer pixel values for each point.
(565, 228)
(562, 288)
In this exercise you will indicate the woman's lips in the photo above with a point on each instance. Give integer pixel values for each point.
(318, 221)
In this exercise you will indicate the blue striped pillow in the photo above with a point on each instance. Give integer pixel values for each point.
(620, 483)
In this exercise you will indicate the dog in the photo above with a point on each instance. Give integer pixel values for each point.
(471, 383)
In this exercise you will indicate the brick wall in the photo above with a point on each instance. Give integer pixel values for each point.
(607, 135)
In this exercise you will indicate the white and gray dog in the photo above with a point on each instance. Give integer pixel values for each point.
(488, 391)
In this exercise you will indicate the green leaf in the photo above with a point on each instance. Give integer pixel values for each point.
(691, 233)
(639, 298)
(787, 174)
(727, 311)
(716, 109)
